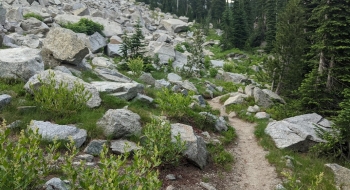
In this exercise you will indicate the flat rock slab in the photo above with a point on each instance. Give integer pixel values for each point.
(123, 146)
(297, 133)
(20, 63)
(50, 131)
(59, 77)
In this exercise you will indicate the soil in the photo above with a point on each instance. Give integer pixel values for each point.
(250, 171)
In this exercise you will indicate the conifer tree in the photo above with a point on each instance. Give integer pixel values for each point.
(226, 26)
(240, 33)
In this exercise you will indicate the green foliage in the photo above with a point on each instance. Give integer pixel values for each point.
(23, 164)
(58, 98)
(33, 15)
(220, 156)
(173, 104)
(179, 48)
(133, 46)
(213, 72)
(114, 172)
(228, 67)
(84, 25)
(224, 98)
(136, 66)
(157, 137)
(228, 136)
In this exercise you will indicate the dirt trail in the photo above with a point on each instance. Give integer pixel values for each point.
(251, 170)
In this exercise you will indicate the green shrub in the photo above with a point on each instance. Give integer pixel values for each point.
(179, 48)
(85, 26)
(213, 72)
(228, 136)
(157, 137)
(114, 172)
(33, 15)
(59, 99)
(228, 67)
(136, 66)
(220, 156)
(173, 104)
(23, 164)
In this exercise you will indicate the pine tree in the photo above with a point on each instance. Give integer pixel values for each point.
(226, 26)
(240, 33)
(289, 45)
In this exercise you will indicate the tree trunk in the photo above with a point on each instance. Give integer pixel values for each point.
(321, 64)
(329, 83)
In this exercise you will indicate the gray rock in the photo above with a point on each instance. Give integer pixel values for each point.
(14, 124)
(55, 184)
(112, 75)
(2, 15)
(115, 40)
(236, 98)
(86, 157)
(96, 42)
(4, 100)
(118, 123)
(147, 78)
(59, 77)
(261, 98)
(200, 100)
(217, 63)
(114, 50)
(102, 62)
(187, 85)
(249, 90)
(220, 123)
(161, 84)
(170, 177)
(95, 147)
(15, 40)
(207, 186)
(262, 115)
(63, 69)
(14, 14)
(297, 133)
(280, 187)
(34, 26)
(81, 12)
(253, 109)
(51, 132)
(341, 176)
(125, 91)
(165, 52)
(144, 98)
(123, 146)
(20, 63)
(184, 19)
(65, 45)
(196, 151)
(173, 77)
(234, 77)
(273, 96)
(180, 60)
(174, 25)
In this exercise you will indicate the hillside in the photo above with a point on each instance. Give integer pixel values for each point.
(119, 95)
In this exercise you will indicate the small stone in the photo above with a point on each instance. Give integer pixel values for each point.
(86, 157)
(170, 187)
(207, 186)
(289, 163)
(170, 177)
(206, 134)
(232, 115)
(280, 187)
(95, 147)
(55, 184)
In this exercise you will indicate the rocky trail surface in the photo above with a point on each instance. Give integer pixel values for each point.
(251, 171)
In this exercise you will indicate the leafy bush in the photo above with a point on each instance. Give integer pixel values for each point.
(60, 100)
(136, 66)
(179, 48)
(23, 165)
(84, 25)
(228, 67)
(114, 172)
(33, 15)
(220, 156)
(157, 137)
(174, 104)
(213, 72)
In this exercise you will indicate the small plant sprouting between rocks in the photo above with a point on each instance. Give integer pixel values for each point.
(23, 164)
(33, 15)
(58, 98)
(136, 66)
(157, 137)
(85, 26)
(114, 172)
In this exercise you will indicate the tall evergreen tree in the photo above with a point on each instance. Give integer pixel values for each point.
(289, 45)
(226, 26)
(240, 33)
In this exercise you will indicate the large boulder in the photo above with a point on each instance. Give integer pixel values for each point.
(234, 77)
(117, 123)
(111, 28)
(147, 78)
(34, 26)
(174, 25)
(220, 123)
(65, 45)
(96, 42)
(126, 91)
(273, 96)
(235, 98)
(297, 133)
(122, 146)
(20, 63)
(165, 53)
(262, 99)
(51, 132)
(112, 75)
(60, 77)
(341, 176)
(196, 151)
